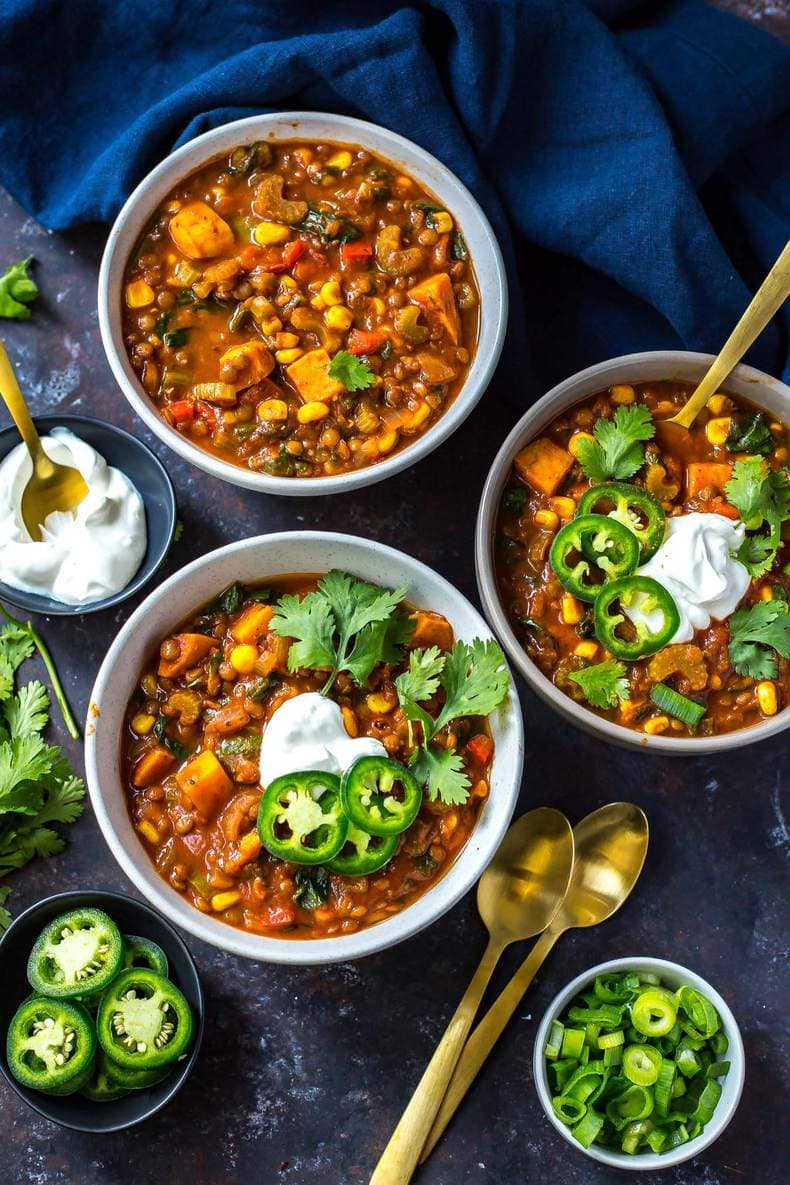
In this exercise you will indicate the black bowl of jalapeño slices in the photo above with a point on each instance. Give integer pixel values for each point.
(101, 1013)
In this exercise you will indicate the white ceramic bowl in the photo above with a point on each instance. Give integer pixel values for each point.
(759, 388)
(306, 125)
(673, 975)
(251, 561)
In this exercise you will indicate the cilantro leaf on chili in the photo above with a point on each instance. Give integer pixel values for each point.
(754, 632)
(616, 451)
(475, 679)
(351, 371)
(761, 495)
(441, 771)
(604, 685)
(750, 433)
(17, 291)
(421, 680)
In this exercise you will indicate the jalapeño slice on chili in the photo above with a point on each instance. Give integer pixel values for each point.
(632, 506)
(649, 598)
(362, 854)
(588, 543)
(143, 952)
(300, 818)
(380, 796)
(144, 1022)
(51, 1045)
(77, 954)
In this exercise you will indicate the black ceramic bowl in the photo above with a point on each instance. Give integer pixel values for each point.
(132, 917)
(146, 473)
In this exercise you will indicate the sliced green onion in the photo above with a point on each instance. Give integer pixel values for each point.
(635, 1134)
(679, 1087)
(554, 1042)
(591, 1034)
(654, 1012)
(641, 1064)
(688, 711)
(688, 1063)
(562, 1071)
(677, 1137)
(634, 1103)
(610, 1040)
(717, 1069)
(604, 1014)
(719, 1043)
(613, 1056)
(699, 1010)
(568, 1110)
(706, 1105)
(664, 1082)
(589, 1128)
(614, 989)
(572, 1043)
(656, 1140)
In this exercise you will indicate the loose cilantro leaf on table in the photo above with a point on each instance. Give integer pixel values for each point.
(351, 371)
(616, 452)
(761, 496)
(17, 291)
(754, 632)
(604, 685)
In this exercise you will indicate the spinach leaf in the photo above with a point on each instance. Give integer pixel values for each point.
(312, 887)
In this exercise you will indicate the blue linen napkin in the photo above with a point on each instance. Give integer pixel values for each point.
(634, 157)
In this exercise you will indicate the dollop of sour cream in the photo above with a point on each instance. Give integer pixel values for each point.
(696, 565)
(84, 555)
(307, 732)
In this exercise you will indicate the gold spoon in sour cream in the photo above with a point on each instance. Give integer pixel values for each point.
(51, 487)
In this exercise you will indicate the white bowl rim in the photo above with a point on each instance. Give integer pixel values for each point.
(484, 250)
(670, 970)
(441, 897)
(519, 435)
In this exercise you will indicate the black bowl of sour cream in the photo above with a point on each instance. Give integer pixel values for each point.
(120, 539)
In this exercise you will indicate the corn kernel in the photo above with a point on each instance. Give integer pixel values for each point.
(403, 183)
(717, 404)
(265, 234)
(586, 650)
(718, 430)
(766, 697)
(314, 410)
(379, 704)
(149, 831)
(222, 901)
(442, 222)
(286, 341)
(330, 292)
(287, 283)
(622, 393)
(275, 410)
(547, 518)
(715, 682)
(243, 658)
(419, 415)
(575, 441)
(149, 685)
(564, 507)
(142, 723)
(766, 593)
(317, 303)
(386, 441)
(350, 722)
(340, 160)
(378, 306)
(571, 610)
(656, 725)
(286, 357)
(339, 317)
(271, 325)
(139, 294)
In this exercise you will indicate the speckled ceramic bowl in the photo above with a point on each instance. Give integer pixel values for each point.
(254, 561)
(759, 388)
(307, 125)
(674, 976)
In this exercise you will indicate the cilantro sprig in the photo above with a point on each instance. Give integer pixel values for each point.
(761, 495)
(754, 632)
(351, 371)
(603, 685)
(345, 625)
(17, 291)
(474, 678)
(616, 452)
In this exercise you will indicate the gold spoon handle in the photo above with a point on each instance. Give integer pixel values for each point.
(486, 1035)
(399, 1159)
(15, 402)
(769, 297)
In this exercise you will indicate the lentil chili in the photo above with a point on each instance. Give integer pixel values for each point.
(301, 309)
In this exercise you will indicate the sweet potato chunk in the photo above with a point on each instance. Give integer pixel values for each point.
(253, 622)
(544, 465)
(431, 629)
(253, 360)
(154, 765)
(310, 375)
(436, 296)
(205, 783)
(200, 233)
(191, 649)
(707, 475)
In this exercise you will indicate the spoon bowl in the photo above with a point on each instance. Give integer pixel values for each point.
(611, 845)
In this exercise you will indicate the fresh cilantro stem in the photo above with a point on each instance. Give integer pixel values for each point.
(46, 658)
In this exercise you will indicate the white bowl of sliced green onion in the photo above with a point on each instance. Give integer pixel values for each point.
(639, 1063)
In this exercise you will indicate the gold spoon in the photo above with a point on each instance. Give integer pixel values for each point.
(518, 895)
(769, 297)
(51, 486)
(610, 847)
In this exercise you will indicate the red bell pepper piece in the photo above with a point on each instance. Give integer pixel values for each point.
(278, 916)
(291, 252)
(365, 341)
(481, 747)
(250, 256)
(182, 411)
(357, 252)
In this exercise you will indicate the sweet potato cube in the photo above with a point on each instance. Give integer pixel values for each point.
(253, 622)
(310, 375)
(154, 765)
(707, 475)
(200, 233)
(205, 783)
(253, 361)
(192, 648)
(544, 465)
(431, 629)
(436, 296)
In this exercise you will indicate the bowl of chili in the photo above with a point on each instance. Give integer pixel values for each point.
(123, 806)
(292, 302)
(562, 556)
(725, 1070)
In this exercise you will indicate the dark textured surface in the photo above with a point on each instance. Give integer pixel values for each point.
(304, 1072)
